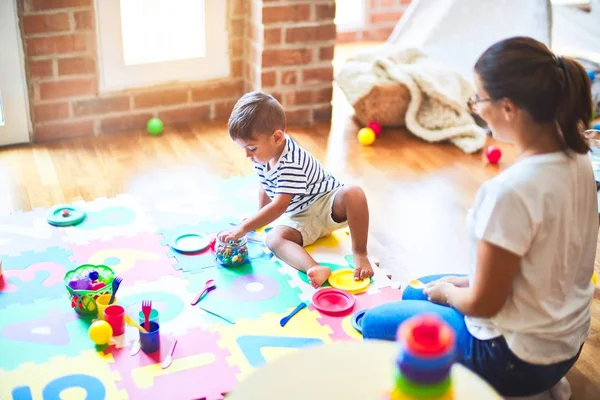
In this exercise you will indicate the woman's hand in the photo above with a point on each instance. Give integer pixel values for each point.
(437, 291)
(458, 281)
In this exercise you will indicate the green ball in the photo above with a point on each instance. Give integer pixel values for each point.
(155, 126)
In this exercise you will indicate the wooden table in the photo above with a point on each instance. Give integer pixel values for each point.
(343, 370)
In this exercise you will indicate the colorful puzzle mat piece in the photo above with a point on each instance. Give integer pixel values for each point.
(254, 342)
(258, 286)
(84, 376)
(30, 231)
(110, 218)
(42, 330)
(137, 258)
(194, 262)
(31, 276)
(199, 368)
(198, 262)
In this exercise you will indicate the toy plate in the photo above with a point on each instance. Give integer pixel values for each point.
(190, 243)
(333, 301)
(416, 284)
(357, 320)
(344, 279)
(55, 217)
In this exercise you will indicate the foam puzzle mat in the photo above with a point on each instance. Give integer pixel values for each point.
(45, 351)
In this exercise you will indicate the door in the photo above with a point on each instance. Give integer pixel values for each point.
(14, 105)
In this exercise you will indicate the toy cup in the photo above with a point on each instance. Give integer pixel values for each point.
(115, 316)
(153, 317)
(102, 303)
(150, 342)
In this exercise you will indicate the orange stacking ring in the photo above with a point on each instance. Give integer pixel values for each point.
(426, 335)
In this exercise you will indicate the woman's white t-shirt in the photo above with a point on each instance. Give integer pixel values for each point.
(543, 208)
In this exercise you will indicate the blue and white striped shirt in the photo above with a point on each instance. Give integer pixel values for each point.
(296, 173)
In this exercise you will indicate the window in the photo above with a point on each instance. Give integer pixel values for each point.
(148, 42)
(350, 15)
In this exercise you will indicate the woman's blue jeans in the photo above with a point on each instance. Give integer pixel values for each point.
(490, 359)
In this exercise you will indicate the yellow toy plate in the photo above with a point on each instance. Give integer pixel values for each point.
(416, 284)
(343, 279)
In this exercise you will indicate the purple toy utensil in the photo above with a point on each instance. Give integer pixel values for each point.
(115, 286)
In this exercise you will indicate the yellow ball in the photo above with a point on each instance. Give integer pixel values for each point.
(595, 278)
(100, 332)
(366, 136)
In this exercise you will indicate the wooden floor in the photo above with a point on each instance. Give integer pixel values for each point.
(418, 192)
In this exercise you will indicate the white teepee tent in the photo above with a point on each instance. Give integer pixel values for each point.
(437, 26)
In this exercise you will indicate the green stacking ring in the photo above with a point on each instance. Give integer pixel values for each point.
(427, 391)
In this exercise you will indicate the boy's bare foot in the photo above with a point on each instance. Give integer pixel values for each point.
(362, 267)
(318, 275)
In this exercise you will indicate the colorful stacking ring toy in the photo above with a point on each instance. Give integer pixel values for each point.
(427, 353)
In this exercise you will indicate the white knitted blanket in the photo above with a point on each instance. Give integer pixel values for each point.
(437, 110)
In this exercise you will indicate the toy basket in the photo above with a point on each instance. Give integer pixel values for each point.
(84, 301)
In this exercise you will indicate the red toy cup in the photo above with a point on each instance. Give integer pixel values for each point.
(115, 316)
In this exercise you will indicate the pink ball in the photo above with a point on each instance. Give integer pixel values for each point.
(493, 154)
(376, 127)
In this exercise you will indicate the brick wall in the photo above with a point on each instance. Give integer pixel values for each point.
(382, 16)
(290, 52)
(62, 68)
(281, 46)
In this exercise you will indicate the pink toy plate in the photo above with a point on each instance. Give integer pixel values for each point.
(333, 301)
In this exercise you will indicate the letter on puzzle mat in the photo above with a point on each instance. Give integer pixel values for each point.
(137, 258)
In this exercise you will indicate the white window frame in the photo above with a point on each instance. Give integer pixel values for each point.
(115, 75)
(360, 8)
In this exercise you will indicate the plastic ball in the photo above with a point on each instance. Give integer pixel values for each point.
(100, 332)
(155, 126)
(375, 126)
(65, 213)
(366, 136)
(591, 75)
(493, 154)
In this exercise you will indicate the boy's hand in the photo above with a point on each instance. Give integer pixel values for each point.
(232, 234)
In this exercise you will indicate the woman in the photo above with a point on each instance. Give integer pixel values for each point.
(522, 313)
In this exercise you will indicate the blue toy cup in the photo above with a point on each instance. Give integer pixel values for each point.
(150, 342)
(153, 317)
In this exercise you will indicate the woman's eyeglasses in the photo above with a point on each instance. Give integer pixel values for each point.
(473, 102)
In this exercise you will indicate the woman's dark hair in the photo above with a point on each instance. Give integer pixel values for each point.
(550, 88)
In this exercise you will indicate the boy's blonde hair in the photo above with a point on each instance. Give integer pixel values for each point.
(255, 113)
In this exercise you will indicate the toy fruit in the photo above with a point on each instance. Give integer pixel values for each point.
(493, 154)
(366, 136)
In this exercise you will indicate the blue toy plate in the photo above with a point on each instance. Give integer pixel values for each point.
(55, 215)
(190, 243)
(357, 320)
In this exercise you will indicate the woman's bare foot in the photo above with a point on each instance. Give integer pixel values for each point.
(318, 275)
(362, 267)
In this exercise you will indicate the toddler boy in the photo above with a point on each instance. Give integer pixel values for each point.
(297, 195)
